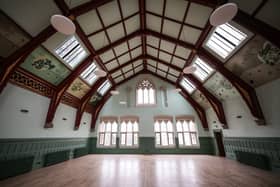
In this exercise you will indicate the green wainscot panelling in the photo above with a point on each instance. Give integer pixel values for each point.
(264, 146)
(43, 64)
(56, 157)
(11, 149)
(147, 146)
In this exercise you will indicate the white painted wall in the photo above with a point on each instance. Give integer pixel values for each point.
(15, 124)
(177, 105)
(269, 98)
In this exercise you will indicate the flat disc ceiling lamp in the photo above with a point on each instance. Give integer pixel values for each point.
(100, 73)
(189, 69)
(223, 14)
(63, 24)
(115, 92)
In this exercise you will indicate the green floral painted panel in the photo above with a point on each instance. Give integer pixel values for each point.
(78, 88)
(41, 63)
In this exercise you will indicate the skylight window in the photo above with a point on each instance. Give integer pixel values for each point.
(71, 52)
(203, 70)
(225, 39)
(104, 87)
(88, 74)
(187, 85)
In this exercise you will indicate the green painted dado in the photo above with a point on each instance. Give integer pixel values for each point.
(269, 147)
(43, 64)
(147, 146)
(13, 149)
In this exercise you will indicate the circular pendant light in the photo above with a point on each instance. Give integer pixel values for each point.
(100, 73)
(115, 92)
(223, 14)
(63, 24)
(189, 69)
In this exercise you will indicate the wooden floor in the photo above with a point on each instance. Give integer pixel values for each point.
(146, 170)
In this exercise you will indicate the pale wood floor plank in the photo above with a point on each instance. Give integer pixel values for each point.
(146, 170)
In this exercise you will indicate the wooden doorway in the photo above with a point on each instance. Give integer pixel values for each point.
(219, 141)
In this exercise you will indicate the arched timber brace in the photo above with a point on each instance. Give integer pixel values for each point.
(14, 60)
(84, 101)
(200, 111)
(246, 91)
(61, 89)
(215, 103)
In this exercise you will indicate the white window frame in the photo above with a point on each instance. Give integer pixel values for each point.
(101, 135)
(164, 119)
(203, 66)
(103, 86)
(186, 84)
(188, 119)
(237, 26)
(89, 73)
(124, 120)
(142, 87)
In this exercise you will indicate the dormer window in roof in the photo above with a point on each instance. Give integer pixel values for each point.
(71, 52)
(225, 39)
(104, 88)
(203, 70)
(187, 85)
(89, 75)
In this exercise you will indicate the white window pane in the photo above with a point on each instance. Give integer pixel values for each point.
(135, 139)
(170, 138)
(114, 127)
(102, 127)
(101, 138)
(157, 128)
(163, 126)
(185, 126)
(140, 96)
(179, 126)
(194, 139)
(129, 139)
(187, 138)
(169, 126)
(164, 139)
(192, 126)
(180, 138)
(151, 96)
(146, 96)
(123, 139)
(129, 127)
(114, 138)
(158, 138)
(107, 141)
(135, 127)
(108, 127)
(123, 127)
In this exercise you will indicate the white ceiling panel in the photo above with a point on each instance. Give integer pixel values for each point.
(119, 79)
(72, 4)
(198, 15)
(139, 68)
(190, 34)
(174, 72)
(178, 62)
(136, 52)
(167, 46)
(129, 7)
(153, 22)
(170, 77)
(152, 62)
(137, 63)
(110, 13)
(128, 74)
(117, 73)
(153, 41)
(171, 28)
(155, 6)
(112, 65)
(120, 49)
(162, 67)
(22, 12)
(124, 58)
(116, 32)
(182, 52)
(152, 51)
(134, 42)
(132, 24)
(161, 73)
(164, 56)
(176, 9)
(99, 40)
(108, 55)
(127, 68)
(152, 69)
(89, 22)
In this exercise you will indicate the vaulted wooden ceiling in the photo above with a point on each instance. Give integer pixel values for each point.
(129, 37)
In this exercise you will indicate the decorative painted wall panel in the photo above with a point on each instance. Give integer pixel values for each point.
(41, 63)
(78, 88)
(219, 86)
(257, 63)
(201, 99)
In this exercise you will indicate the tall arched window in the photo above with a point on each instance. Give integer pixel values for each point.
(145, 93)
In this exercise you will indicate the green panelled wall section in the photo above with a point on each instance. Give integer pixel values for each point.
(12, 149)
(261, 146)
(147, 146)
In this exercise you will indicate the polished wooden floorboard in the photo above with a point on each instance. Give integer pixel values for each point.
(146, 170)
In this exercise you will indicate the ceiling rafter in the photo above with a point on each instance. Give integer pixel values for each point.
(142, 6)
